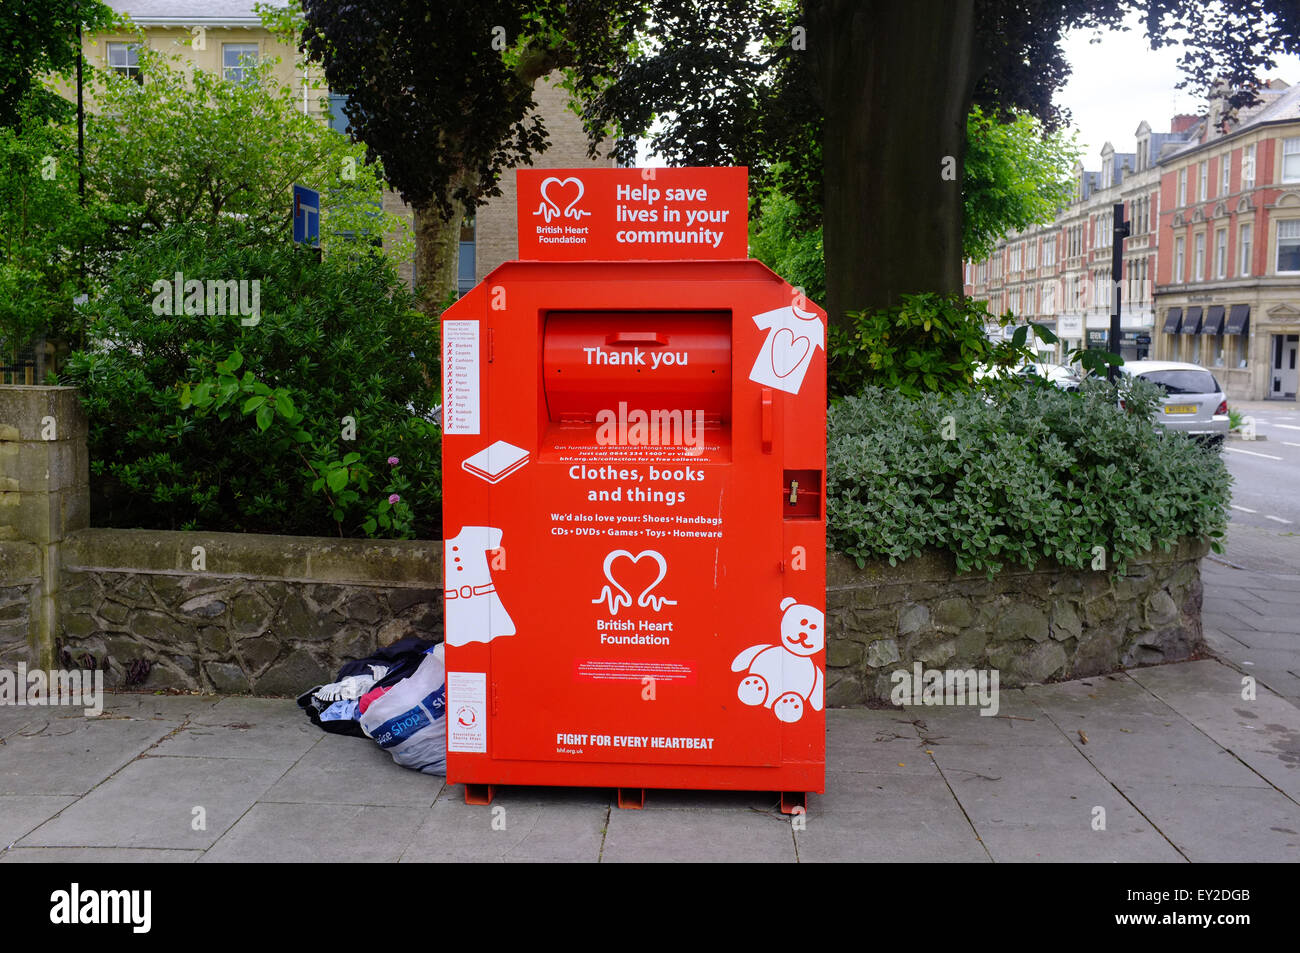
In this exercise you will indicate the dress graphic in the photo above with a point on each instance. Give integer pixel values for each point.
(474, 612)
(792, 337)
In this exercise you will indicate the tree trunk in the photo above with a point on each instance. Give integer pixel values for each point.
(896, 81)
(437, 254)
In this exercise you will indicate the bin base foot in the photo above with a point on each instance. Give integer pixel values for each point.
(631, 798)
(480, 793)
(794, 802)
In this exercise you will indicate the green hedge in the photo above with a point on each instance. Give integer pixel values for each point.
(202, 422)
(1028, 474)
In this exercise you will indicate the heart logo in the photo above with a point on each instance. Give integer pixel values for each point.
(787, 352)
(617, 595)
(554, 191)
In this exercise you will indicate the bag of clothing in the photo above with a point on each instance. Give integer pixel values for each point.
(409, 721)
(337, 706)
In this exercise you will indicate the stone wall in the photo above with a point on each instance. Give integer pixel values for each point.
(272, 615)
(1030, 625)
(20, 598)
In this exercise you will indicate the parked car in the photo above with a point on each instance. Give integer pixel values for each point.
(1059, 375)
(1193, 402)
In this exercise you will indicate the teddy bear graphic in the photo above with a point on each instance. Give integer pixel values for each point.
(784, 677)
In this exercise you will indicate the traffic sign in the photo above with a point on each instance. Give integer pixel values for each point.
(306, 216)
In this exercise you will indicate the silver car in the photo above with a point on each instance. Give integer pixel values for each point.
(1193, 401)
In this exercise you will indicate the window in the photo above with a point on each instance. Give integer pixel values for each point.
(124, 58)
(1198, 262)
(1225, 173)
(1031, 254)
(1049, 252)
(1248, 167)
(1291, 160)
(1182, 186)
(236, 58)
(1245, 267)
(1014, 265)
(1221, 253)
(1203, 181)
(1288, 246)
(1178, 260)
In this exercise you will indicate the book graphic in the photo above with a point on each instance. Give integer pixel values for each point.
(494, 463)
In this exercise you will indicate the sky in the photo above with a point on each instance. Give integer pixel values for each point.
(1120, 81)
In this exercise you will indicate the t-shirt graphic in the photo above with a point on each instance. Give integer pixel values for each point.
(474, 612)
(792, 336)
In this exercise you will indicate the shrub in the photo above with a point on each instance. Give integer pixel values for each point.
(926, 343)
(1029, 473)
(201, 422)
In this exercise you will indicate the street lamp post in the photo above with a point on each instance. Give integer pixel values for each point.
(1121, 232)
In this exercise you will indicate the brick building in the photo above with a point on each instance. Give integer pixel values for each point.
(1212, 263)
(1228, 286)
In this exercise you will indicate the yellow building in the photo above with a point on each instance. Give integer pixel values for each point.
(214, 35)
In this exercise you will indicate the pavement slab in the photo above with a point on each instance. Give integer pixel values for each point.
(22, 813)
(522, 824)
(291, 833)
(871, 817)
(71, 754)
(704, 836)
(1211, 824)
(339, 769)
(151, 803)
(1035, 804)
(97, 855)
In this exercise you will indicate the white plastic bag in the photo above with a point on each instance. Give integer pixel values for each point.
(410, 720)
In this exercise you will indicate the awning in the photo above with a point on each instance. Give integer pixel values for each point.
(1213, 320)
(1172, 317)
(1191, 320)
(1238, 319)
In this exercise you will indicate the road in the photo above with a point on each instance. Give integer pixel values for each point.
(1264, 526)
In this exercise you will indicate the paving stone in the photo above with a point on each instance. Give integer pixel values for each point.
(22, 813)
(291, 833)
(150, 803)
(71, 755)
(1101, 698)
(150, 706)
(523, 824)
(342, 770)
(241, 709)
(1038, 804)
(875, 741)
(1019, 721)
(1288, 595)
(1283, 641)
(698, 836)
(1212, 824)
(98, 855)
(273, 742)
(882, 817)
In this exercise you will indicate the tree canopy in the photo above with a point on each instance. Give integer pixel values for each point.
(38, 37)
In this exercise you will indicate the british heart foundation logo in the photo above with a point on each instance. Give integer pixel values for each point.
(617, 573)
(560, 198)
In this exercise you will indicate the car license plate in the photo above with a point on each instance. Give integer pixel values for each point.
(1180, 408)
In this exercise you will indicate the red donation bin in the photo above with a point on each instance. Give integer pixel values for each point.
(634, 456)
